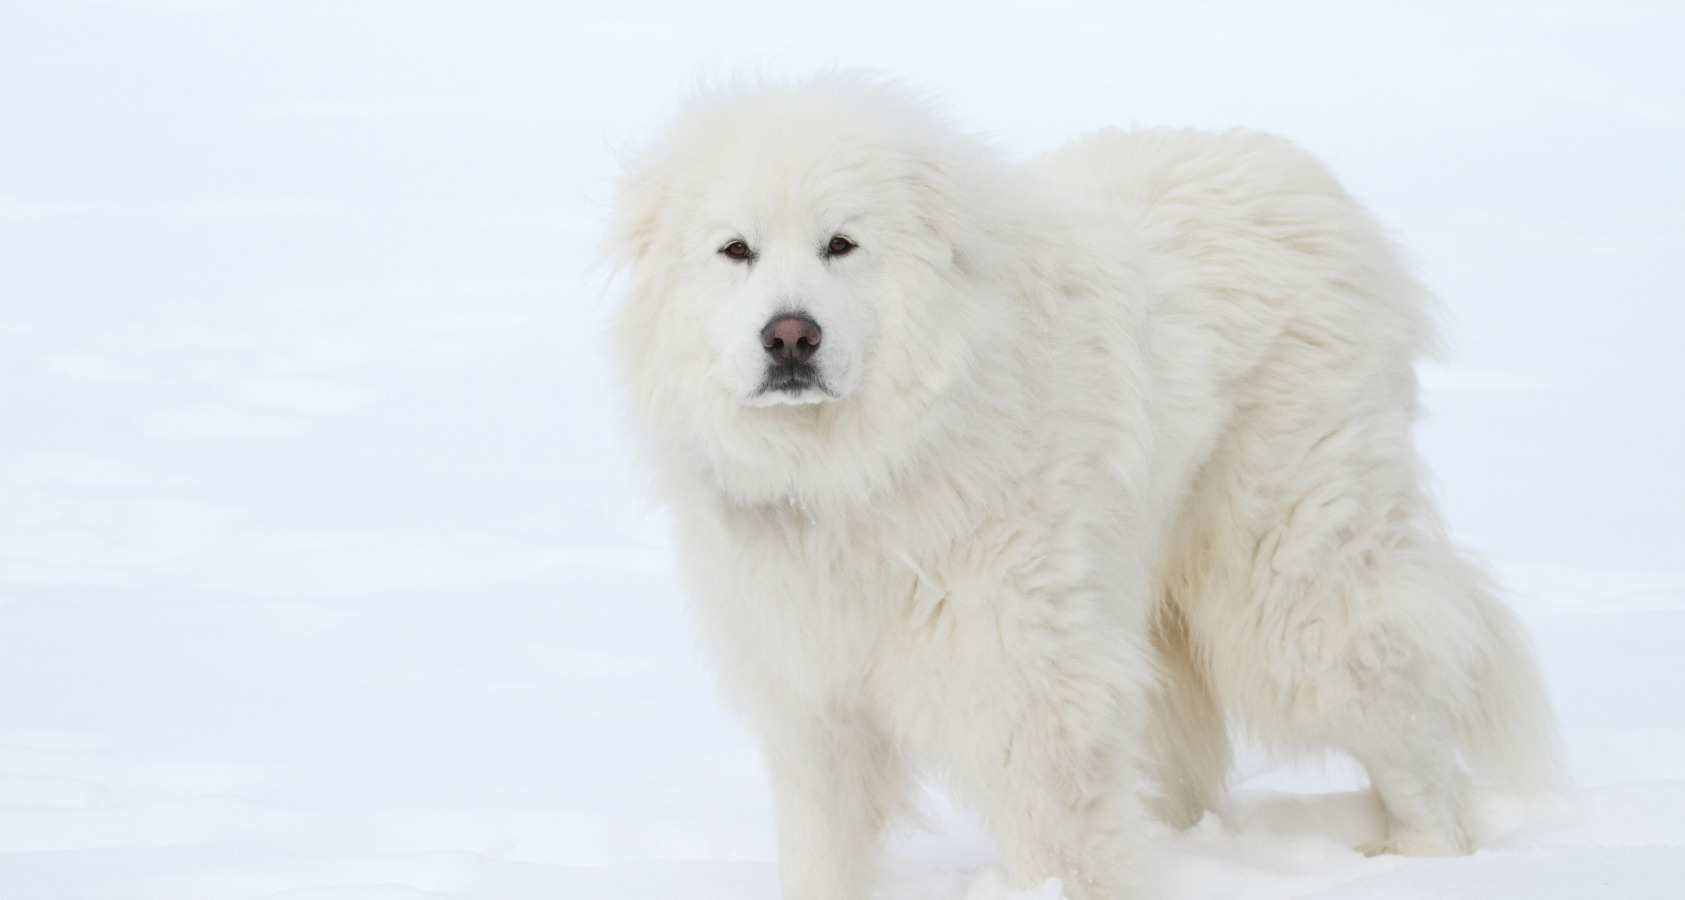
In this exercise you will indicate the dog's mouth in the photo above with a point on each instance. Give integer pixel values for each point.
(792, 378)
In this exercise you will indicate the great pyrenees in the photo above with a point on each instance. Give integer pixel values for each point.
(1030, 478)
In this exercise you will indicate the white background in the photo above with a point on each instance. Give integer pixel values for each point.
(323, 571)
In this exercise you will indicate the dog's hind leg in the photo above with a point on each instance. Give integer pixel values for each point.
(1333, 612)
(1470, 704)
(1188, 752)
(1422, 789)
(1381, 669)
(1382, 644)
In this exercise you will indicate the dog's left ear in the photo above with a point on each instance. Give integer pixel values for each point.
(941, 205)
(938, 195)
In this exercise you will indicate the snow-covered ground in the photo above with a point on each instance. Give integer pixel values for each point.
(323, 573)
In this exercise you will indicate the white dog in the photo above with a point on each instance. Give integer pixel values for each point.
(1026, 477)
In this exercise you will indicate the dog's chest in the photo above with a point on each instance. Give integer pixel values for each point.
(883, 614)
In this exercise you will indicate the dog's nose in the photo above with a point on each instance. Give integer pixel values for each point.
(791, 337)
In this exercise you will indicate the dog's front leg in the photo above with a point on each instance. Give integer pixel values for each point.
(1058, 774)
(835, 780)
(1070, 812)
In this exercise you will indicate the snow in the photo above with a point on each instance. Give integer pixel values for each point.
(324, 574)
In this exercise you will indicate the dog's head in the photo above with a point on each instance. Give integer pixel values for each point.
(798, 292)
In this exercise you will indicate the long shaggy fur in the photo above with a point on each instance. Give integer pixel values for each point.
(1115, 449)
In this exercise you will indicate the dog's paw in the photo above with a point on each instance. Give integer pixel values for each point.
(1419, 842)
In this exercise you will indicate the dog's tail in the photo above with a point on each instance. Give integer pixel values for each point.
(1510, 731)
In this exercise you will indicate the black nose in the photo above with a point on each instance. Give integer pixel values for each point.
(791, 337)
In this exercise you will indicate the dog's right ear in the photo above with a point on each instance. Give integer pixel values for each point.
(638, 199)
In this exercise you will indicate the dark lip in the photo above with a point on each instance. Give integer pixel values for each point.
(793, 386)
(791, 377)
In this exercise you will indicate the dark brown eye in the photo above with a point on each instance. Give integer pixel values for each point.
(839, 246)
(736, 250)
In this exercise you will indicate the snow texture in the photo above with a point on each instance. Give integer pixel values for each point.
(324, 574)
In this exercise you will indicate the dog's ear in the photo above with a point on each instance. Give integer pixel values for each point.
(638, 199)
(933, 180)
(944, 207)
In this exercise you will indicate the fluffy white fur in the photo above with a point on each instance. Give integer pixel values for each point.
(1116, 445)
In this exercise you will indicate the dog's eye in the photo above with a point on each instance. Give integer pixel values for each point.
(737, 250)
(839, 246)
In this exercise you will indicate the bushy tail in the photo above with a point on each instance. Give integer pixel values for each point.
(1510, 731)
